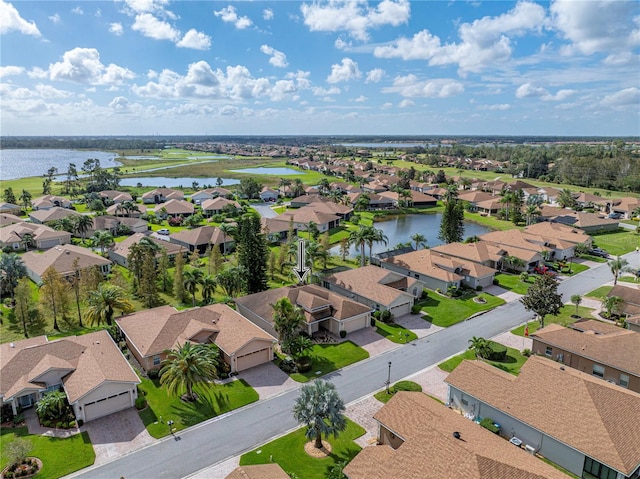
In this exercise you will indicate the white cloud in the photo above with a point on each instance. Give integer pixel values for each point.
(10, 71)
(345, 71)
(195, 40)
(528, 90)
(55, 18)
(320, 91)
(267, 14)
(116, 29)
(48, 92)
(375, 75)
(37, 72)
(355, 18)
(498, 107)
(386, 106)
(484, 42)
(10, 21)
(120, 104)
(410, 87)
(278, 59)
(301, 78)
(144, 6)
(341, 44)
(151, 27)
(406, 103)
(229, 15)
(360, 99)
(83, 65)
(597, 25)
(77, 11)
(623, 98)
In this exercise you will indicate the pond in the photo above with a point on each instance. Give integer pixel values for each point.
(270, 171)
(400, 229)
(22, 163)
(186, 182)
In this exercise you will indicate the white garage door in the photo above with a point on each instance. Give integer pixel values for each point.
(108, 405)
(355, 324)
(401, 310)
(250, 360)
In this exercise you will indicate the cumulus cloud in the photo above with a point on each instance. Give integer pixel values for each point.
(49, 92)
(360, 99)
(406, 103)
(83, 65)
(375, 75)
(498, 107)
(152, 27)
(77, 11)
(195, 40)
(11, 71)
(278, 59)
(144, 6)
(623, 98)
(344, 71)
(11, 21)
(116, 29)
(267, 14)
(55, 18)
(528, 90)
(410, 87)
(597, 26)
(320, 91)
(483, 42)
(355, 18)
(229, 15)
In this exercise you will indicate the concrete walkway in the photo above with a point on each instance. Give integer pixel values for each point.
(268, 380)
(34, 427)
(362, 412)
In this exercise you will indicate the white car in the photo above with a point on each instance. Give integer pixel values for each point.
(163, 231)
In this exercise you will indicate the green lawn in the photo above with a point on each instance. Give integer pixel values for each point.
(214, 400)
(394, 332)
(512, 363)
(513, 283)
(575, 269)
(490, 222)
(329, 357)
(288, 452)
(383, 397)
(599, 293)
(628, 279)
(59, 456)
(595, 259)
(617, 243)
(564, 319)
(443, 311)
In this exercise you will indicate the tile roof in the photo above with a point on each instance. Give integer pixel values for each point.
(307, 214)
(55, 213)
(601, 342)
(478, 252)
(560, 231)
(258, 471)
(61, 258)
(7, 219)
(122, 248)
(436, 265)
(630, 297)
(175, 207)
(218, 203)
(166, 192)
(516, 238)
(600, 420)
(152, 331)
(430, 450)
(200, 236)
(15, 232)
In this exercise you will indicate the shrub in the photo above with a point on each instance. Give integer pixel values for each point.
(153, 374)
(376, 314)
(288, 366)
(424, 294)
(479, 287)
(174, 221)
(496, 351)
(526, 352)
(415, 309)
(488, 423)
(141, 403)
(8, 475)
(373, 321)
(495, 281)
(80, 422)
(18, 419)
(343, 334)
(386, 316)
(304, 364)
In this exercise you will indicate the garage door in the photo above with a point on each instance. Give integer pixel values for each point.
(250, 360)
(355, 324)
(108, 405)
(401, 310)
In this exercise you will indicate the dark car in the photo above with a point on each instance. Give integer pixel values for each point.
(598, 252)
(614, 216)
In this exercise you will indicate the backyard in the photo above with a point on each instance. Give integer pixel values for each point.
(288, 452)
(511, 364)
(444, 311)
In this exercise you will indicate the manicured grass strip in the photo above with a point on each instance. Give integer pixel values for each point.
(617, 243)
(213, 401)
(628, 279)
(59, 456)
(444, 312)
(288, 452)
(512, 363)
(513, 283)
(560, 468)
(329, 357)
(575, 269)
(489, 221)
(599, 293)
(596, 259)
(564, 319)
(383, 397)
(394, 332)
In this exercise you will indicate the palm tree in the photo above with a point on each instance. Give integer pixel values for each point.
(27, 240)
(232, 280)
(362, 203)
(479, 346)
(405, 197)
(375, 236)
(531, 212)
(285, 183)
(566, 199)
(581, 249)
(513, 262)
(324, 185)
(419, 239)
(82, 224)
(52, 405)
(188, 365)
(25, 198)
(11, 270)
(507, 199)
(298, 188)
(359, 238)
(104, 301)
(320, 409)
(612, 305)
(576, 299)
(287, 320)
(227, 230)
(617, 266)
(208, 288)
(102, 239)
(192, 278)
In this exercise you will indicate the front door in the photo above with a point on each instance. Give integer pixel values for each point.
(27, 401)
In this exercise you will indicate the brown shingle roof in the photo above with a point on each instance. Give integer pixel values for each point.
(122, 248)
(200, 236)
(258, 471)
(431, 451)
(630, 297)
(61, 258)
(598, 419)
(439, 266)
(175, 207)
(55, 213)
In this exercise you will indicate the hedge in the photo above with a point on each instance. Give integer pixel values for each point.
(496, 351)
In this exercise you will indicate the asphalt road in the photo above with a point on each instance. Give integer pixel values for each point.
(243, 429)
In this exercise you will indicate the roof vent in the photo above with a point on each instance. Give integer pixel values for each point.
(456, 434)
(12, 345)
(97, 342)
(561, 368)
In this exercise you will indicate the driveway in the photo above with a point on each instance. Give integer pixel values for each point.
(268, 380)
(265, 210)
(117, 434)
(417, 324)
(371, 341)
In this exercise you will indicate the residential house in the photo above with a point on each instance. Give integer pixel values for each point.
(375, 201)
(201, 238)
(630, 296)
(174, 208)
(474, 197)
(571, 418)
(587, 222)
(626, 206)
(258, 471)
(61, 258)
(150, 333)
(481, 252)
(419, 438)
(589, 200)
(303, 200)
(210, 193)
(529, 248)
(593, 347)
(9, 219)
(10, 208)
(113, 196)
(633, 323)
(308, 214)
(417, 200)
(47, 202)
(268, 194)
(277, 230)
(218, 205)
(377, 288)
(112, 223)
(120, 251)
(51, 214)
(553, 231)
(117, 210)
(161, 195)
(322, 309)
(90, 369)
(42, 237)
(437, 271)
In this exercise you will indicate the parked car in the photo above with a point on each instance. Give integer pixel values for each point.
(542, 269)
(163, 231)
(598, 252)
(551, 266)
(614, 216)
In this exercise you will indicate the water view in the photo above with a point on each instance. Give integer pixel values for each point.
(21, 163)
(401, 228)
(186, 182)
(270, 171)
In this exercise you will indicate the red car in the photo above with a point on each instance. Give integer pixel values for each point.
(544, 270)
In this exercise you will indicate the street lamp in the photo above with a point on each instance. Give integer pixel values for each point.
(170, 424)
(389, 377)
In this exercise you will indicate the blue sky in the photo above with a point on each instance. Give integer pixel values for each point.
(390, 67)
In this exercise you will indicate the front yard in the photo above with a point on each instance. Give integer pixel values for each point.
(511, 364)
(214, 400)
(513, 283)
(59, 456)
(288, 452)
(564, 318)
(395, 333)
(444, 311)
(617, 243)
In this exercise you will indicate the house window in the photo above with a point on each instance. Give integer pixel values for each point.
(593, 469)
(624, 381)
(156, 360)
(464, 401)
(598, 370)
(548, 351)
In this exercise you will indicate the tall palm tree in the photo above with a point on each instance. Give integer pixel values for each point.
(287, 320)
(479, 346)
(513, 262)
(617, 266)
(12, 269)
(82, 224)
(320, 409)
(102, 239)
(285, 183)
(566, 199)
(298, 188)
(188, 365)
(25, 198)
(375, 235)
(227, 230)
(192, 279)
(405, 197)
(576, 299)
(208, 288)
(419, 239)
(104, 301)
(232, 280)
(359, 238)
(27, 240)
(531, 212)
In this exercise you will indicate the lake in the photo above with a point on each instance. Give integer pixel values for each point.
(401, 228)
(22, 163)
(270, 171)
(162, 181)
